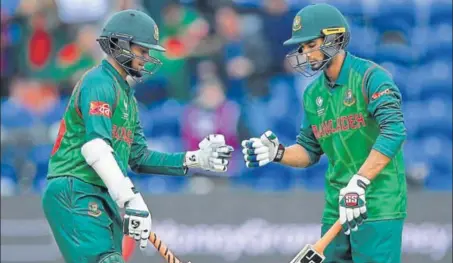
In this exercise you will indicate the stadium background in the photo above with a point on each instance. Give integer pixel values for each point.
(224, 72)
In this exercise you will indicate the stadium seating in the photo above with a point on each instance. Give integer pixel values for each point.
(16, 116)
(39, 157)
(8, 179)
(157, 184)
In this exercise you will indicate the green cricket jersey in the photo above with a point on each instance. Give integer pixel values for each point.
(103, 105)
(345, 120)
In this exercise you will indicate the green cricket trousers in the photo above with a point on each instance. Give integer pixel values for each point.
(374, 242)
(84, 219)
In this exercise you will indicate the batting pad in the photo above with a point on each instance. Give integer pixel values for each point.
(308, 255)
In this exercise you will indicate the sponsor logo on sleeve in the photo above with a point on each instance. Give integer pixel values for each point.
(380, 93)
(100, 108)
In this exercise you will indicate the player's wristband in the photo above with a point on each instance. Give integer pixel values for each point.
(280, 152)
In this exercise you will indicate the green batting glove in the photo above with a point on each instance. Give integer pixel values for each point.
(259, 152)
(353, 204)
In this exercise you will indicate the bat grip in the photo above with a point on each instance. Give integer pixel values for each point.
(162, 248)
(325, 240)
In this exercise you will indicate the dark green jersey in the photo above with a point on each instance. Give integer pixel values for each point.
(344, 121)
(103, 106)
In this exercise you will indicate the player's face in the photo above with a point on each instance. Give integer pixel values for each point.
(141, 53)
(312, 50)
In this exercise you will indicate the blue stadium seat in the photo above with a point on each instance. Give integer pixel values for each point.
(436, 89)
(166, 143)
(159, 184)
(433, 43)
(15, 115)
(314, 176)
(284, 108)
(146, 121)
(363, 41)
(429, 80)
(256, 121)
(8, 179)
(438, 51)
(40, 155)
(167, 127)
(152, 91)
(412, 152)
(54, 114)
(396, 53)
(440, 12)
(434, 117)
(8, 171)
(352, 9)
(162, 120)
(437, 151)
(395, 16)
(286, 129)
(430, 151)
(272, 178)
(399, 74)
(436, 181)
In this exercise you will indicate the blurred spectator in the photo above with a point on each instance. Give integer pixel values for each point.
(393, 37)
(181, 31)
(209, 7)
(48, 50)
(277, 20)
(210, 112)
(242, 57)
(36, 96)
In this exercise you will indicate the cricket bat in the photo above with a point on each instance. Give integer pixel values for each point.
(315, 253)
(163, 249)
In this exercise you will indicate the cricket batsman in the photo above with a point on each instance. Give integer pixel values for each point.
(100, 136)
(352, 114)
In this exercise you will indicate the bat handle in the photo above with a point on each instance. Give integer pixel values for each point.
(325, 240)
(162, 248)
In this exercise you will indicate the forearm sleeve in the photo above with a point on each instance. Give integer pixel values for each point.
(307, 139)
(385, 107)
(143, 160)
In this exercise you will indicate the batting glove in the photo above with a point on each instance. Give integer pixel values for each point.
(213, 155)
(137, 220)
(353, 204)
(259, 152)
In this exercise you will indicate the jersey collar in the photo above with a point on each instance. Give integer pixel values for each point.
(344, 72)
(123, 83)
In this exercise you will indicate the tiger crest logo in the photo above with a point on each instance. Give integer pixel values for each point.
(349, 98)
(156, 33)
(93, 209)
(297, 24)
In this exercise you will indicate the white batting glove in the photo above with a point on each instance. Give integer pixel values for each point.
(137, 220)
(353, 203)
(214, 154)
(259, 152)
